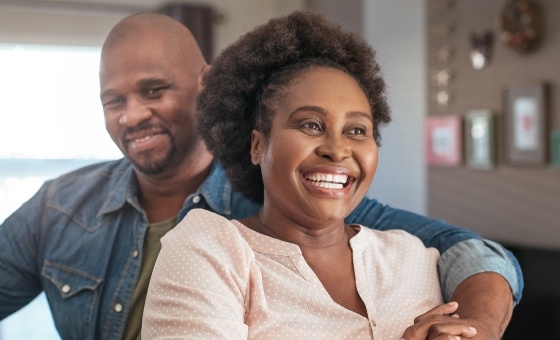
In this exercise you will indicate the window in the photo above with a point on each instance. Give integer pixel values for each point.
(51, 107)
(52, 123)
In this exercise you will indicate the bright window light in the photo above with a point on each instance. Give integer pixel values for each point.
(52, 122)
(50, 104)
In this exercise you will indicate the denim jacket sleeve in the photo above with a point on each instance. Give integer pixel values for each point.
(463, 253)
(19, 273)
(76, 232)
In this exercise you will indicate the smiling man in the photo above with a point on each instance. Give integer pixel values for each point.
(89, 239)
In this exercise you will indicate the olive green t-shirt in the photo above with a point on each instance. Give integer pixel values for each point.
(152, 246)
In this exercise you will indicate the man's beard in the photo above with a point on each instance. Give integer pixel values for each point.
(156, 166)
(145, 163)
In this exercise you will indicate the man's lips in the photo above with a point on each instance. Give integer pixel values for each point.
(145, 139)
(142, 135)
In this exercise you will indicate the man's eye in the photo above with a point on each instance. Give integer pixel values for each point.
(112, 103)
(154, 92)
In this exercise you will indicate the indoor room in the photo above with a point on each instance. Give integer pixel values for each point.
(472, 86)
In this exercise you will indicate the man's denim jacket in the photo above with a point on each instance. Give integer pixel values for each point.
(80, 239)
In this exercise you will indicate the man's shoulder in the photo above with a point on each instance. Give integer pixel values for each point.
(106, 169)
(95, 178)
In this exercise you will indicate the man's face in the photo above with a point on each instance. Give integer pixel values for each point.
(148, 93)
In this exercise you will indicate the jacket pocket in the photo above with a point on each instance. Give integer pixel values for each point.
(72, 295)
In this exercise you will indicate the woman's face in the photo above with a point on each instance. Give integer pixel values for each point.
(321, 155)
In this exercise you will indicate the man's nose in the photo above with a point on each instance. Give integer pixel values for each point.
(134, 113)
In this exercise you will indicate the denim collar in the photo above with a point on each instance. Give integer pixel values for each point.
(216, 190)
(125, 188)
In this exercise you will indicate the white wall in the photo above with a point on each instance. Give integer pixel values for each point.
(395, 28)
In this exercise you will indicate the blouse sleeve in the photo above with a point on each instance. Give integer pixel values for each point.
(199, 282)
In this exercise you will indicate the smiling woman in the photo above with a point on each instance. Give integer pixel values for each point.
(293, 111)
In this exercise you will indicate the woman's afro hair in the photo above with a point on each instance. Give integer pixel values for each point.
(230, 102)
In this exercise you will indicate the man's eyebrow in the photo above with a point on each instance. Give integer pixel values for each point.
(109, 92)
(152, 81)
(141, 83)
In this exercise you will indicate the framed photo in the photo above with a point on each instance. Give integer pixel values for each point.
(555, 148)
(480, 144)
(443, 140)
(526, 131)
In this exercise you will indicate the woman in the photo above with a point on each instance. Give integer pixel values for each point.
(292, 111)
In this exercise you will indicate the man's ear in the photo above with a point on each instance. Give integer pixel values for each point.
(258, 143)
(204, 71)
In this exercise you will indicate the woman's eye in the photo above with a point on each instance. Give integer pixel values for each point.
(311, 127)
(314, 126)
(357, 131)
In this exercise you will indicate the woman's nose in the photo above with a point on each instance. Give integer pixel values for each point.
(334, 148)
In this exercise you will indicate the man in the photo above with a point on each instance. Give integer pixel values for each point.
(90, 238)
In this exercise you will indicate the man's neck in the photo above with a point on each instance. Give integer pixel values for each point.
(163, 196)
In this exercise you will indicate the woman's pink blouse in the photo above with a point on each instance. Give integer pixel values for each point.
(217, 279)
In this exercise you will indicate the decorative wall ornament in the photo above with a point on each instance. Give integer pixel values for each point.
(481, 49)
(443, 98)
(443, 77)
(443, 141)
(526, 124)
(520, 25)
(480, 144)
(444, 55)
(443, 30)
(440, 31)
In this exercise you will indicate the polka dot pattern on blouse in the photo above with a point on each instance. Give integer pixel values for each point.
(217, 279)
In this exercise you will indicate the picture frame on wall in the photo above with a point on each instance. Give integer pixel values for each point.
(526, 128)
(443, 140)
(480, 139)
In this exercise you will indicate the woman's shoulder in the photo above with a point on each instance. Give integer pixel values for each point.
(388, 240)
(207, 234)
(202, 224)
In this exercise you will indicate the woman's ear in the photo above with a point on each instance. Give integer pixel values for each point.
(258, 143)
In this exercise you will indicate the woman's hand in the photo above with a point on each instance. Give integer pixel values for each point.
(439, 323)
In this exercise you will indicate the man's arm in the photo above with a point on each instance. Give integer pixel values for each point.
(485, 304)
(19, 281)
(464, 253)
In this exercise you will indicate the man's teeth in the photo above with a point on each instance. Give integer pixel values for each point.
(328, 181)
(143, 139)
